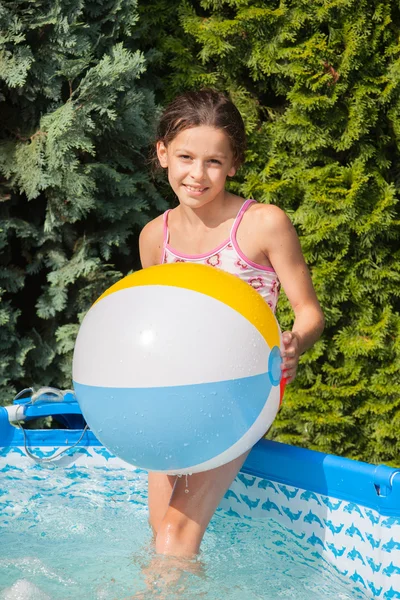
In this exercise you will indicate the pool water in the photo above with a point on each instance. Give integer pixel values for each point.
(82, 533)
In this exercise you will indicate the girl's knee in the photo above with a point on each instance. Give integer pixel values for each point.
(178, 536)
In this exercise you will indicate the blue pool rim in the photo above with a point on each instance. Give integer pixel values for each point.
(375, 487)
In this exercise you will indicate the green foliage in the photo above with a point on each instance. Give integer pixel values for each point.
(318, 85)
(76, 120)
(317, 82)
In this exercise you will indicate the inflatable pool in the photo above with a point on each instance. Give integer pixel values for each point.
(342, 512)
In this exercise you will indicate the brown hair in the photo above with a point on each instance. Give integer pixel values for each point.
(204, 107)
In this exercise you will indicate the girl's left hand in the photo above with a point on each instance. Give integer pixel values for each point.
(290, 355)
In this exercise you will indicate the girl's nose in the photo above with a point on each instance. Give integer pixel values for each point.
(197, 170)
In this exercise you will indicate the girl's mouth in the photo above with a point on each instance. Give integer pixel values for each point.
(195, 190)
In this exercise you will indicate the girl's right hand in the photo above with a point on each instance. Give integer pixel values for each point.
(290, 355)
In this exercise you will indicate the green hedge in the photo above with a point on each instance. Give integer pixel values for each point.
(318, 85)
(76, 119)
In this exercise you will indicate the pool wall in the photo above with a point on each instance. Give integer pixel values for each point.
(343, 511)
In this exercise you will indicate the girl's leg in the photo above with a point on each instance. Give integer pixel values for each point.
(160, 488)
(188, 513)
(161, 575)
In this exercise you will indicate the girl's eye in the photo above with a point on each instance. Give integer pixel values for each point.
(213, 161)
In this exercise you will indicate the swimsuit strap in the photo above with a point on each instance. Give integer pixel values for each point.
(165, 234)
(239, 218)
(165, 221)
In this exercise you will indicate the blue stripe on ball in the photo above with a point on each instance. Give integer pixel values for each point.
(172, 428)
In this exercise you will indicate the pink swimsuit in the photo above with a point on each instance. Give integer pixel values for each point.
(230, 258)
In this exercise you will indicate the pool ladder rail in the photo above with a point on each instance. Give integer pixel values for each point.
(46, 401)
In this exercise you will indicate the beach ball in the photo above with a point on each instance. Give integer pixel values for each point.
(177, 368)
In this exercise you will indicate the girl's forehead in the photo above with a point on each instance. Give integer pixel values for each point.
(203, 138)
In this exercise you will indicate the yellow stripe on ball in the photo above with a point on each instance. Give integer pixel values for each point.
(207, 280)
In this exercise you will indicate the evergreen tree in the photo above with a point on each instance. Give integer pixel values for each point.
(318, 85)
(76, 117)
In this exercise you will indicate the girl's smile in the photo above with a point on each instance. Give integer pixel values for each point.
(194, 190)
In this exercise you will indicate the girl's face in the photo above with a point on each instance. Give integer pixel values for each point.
(198, 161)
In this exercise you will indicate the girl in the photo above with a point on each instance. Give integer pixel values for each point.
(201, 142)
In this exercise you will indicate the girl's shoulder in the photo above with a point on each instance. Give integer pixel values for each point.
(267, 217)
(269, 227)
(152, 232)
(151, 241)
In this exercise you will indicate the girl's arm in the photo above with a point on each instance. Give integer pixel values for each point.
(282, 247)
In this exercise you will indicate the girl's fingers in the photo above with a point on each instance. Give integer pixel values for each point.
(289, 364)
(290, 356)
(289, 369)
(289, 376)
(287, 337)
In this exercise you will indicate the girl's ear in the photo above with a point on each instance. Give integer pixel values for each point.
(162, 154)
(232, 171)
